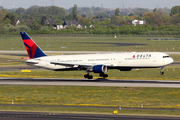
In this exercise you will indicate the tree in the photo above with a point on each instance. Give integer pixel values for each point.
(141, 11)
(7, 21)
(175, 19)
(32, 9)
(166, 19)
(97, 9)
(22, 23)
(152, 18)
(117, 13)
(11, 17)
(38, 27)
(69, 17)
(75, 12)
(86, 20)
(54, 11)
(135, 17)
(43, 20)
(42, 10)
(175, 10)
(80, 19)
(154, 10)
(3, 13)
(20, 10)
(33, 24)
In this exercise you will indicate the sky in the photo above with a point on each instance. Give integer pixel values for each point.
(89, 3)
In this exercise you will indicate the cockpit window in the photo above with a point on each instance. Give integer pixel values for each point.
(165, 56)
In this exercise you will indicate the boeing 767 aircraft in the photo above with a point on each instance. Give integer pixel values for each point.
(97, 63)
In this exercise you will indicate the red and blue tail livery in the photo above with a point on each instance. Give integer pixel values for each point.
(32, 48)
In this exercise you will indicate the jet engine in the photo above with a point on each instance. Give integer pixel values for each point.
(99, 69)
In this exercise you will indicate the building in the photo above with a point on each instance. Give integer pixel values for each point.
(139, 22)
(68, 23)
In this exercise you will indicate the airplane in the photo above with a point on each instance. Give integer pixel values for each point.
(97, 63)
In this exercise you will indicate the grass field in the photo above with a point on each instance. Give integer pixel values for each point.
(88, 44)
(91, 96)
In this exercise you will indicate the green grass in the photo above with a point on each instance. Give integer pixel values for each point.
(171, 73)
(176, 57)
(91, 96)
(81, 44)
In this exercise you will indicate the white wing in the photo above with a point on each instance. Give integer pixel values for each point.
(86, 65)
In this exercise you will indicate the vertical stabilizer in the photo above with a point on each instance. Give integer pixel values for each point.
(33, 50)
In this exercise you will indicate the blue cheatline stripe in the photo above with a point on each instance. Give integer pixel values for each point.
(29, 49)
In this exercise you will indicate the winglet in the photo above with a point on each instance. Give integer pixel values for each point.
(33, 50)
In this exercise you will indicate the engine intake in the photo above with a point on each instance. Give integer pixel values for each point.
(99, 69)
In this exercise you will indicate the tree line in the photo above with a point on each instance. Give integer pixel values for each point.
(158, 21)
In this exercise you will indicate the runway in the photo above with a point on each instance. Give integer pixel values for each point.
(62, 116)
(85, 82)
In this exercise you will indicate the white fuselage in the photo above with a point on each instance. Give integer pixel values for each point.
(115, 60)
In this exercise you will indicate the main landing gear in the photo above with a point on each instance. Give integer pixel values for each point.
(162, 71)
(103, 75)
(88, 76)
(91, 77)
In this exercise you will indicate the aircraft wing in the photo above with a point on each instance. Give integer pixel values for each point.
(86, 65)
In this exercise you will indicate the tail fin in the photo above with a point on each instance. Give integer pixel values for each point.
(33, 50)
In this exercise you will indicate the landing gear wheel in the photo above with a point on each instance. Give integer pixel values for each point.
(103, 75)
(162, 73)
(88, 76)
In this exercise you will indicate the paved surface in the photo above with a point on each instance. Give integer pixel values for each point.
(60, 116)
(85, 82)
(92, 107)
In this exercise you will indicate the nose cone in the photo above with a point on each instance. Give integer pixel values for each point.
(170, 60)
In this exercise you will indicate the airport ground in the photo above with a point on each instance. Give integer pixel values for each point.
(87, 45)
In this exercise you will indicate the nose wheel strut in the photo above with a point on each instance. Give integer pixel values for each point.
(162, 71)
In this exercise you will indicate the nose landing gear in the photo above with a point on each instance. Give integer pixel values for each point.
(162, 71)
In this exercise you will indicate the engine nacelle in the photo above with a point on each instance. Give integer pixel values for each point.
(99, 69)
(125, 69)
